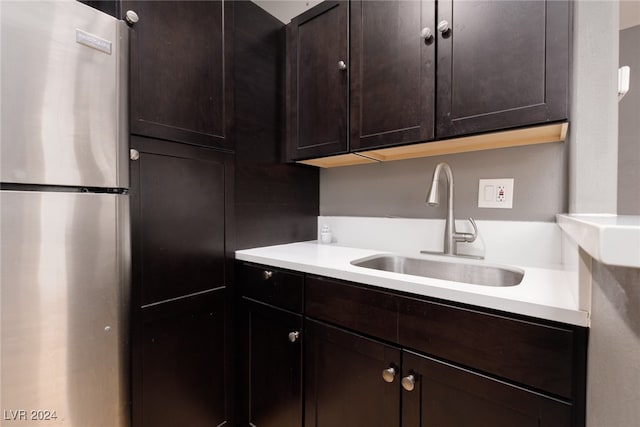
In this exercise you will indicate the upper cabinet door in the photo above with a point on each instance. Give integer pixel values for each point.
(501, 64)
(181, 76)
(317, 81)
(392, 72)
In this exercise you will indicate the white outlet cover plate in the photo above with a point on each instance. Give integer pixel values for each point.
(495, 193)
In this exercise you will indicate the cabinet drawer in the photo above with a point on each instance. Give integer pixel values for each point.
(364, 310)
(272, 286)
(533, 354)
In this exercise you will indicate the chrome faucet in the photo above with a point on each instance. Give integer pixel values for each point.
(451, 236)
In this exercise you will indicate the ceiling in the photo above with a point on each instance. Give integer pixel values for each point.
(629, 13)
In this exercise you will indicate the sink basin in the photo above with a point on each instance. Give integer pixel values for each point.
(475, 274)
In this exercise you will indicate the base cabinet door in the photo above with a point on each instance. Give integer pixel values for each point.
(179, 208)
(344, 385)
(181, 364)
(446, 395)
(271, 368)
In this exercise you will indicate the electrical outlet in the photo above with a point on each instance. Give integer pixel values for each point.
(495, 193)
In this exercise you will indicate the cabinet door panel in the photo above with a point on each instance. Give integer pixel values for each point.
(503, 64)
(343, 380)
(178, 215)
(273, 367)
(449, 396)
(316, 86)
(181, 365)
(180, 71)
(392, 72)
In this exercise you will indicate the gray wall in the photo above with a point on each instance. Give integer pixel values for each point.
(629, 126)
(399, 188)
(613, 377)
(593, 132)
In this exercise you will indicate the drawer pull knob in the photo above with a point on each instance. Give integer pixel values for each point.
(409, 382)
(266, 275)
(389, 374)
(293, 336)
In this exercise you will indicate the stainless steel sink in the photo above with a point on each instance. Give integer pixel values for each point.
(476, 274)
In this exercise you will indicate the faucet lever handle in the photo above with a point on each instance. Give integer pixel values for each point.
(467, 237)
(471, 237)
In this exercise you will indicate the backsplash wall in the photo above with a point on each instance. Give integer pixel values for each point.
(398, 189)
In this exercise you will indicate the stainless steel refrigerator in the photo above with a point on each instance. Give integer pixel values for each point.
(64, 216)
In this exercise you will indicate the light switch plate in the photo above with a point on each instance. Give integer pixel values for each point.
(495, 193)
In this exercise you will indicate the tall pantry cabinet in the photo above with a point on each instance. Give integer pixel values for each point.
(181, 118)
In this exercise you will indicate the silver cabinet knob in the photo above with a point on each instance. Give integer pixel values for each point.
(342, 65)
(409, 382)
(134, 154)
(389, 374)
(443, 26)
(131, 17)
(293, 336)
(426, 33)
(266, 275)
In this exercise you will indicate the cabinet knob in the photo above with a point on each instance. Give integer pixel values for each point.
(131, 17)
(409, 382)
(266, 275)
(389, 374)
(293, 336)
(134, 154)
(342, 65)
(443, 26)
(426, 33)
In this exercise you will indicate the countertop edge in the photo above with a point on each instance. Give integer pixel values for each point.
(606, 238)
(559, 314)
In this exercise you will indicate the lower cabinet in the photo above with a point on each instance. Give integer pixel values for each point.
(375, 358)
(271, 366)
(343, 382)
(352, 381)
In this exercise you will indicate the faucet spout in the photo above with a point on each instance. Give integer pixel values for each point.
(451, 237)
(433, 197)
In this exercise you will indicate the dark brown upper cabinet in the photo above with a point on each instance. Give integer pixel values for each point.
(416, 75)
(180, 71)
(501, 64)
(392, 80)
(317, 81)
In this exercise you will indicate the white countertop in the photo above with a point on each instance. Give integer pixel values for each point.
(544, 293)
(610, 239)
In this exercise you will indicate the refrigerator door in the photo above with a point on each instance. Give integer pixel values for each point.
(63, 67)
(64, 299)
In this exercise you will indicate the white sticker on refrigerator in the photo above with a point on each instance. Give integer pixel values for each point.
(93, 41)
